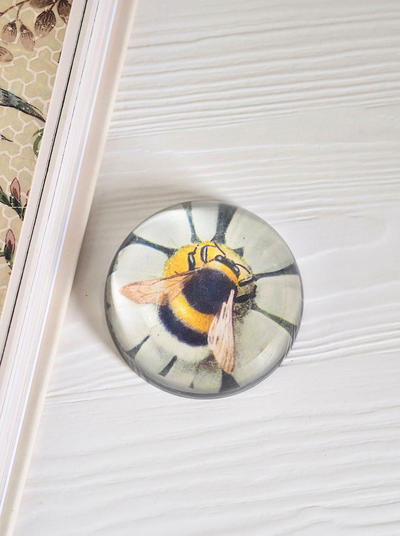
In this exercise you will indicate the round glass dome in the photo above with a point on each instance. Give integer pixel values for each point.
(204, 299)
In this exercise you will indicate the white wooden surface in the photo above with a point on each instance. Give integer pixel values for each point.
(290, 109)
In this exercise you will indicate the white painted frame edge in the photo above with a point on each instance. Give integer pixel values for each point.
(56, 114)
(56, 240)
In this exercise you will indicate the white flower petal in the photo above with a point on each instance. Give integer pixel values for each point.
(194, 379)
(190, 354)
(139, 263)
(151, 360)
(129, 329)
(180, 376)
(281, 296)
(205, 217)
(169, 228)
(265, 362)
(162, 351)
(259, 345)
(264, 249)
(208, 377)
(130, 322)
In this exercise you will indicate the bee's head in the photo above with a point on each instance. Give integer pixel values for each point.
(229, 263)
(224, 268)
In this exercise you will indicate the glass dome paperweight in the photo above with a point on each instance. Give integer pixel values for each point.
(203, 299)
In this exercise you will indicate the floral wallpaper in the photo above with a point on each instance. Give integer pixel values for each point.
(31, 38)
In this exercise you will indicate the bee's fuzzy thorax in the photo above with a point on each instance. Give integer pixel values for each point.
(208, 290)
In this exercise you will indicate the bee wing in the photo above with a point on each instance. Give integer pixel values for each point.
(157, 291)
(221, 339)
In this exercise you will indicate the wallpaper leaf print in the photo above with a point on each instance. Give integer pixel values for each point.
(31, 38)
(13, 101)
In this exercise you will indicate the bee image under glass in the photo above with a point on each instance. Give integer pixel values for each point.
(204, 299)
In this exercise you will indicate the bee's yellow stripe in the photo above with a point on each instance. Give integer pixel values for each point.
(189, 316)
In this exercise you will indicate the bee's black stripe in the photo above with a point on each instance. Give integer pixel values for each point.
(179, 329)
(290, 328)
(166, 369)
(288, 270)
(228, 382)
(133, 352)
(189, 215)
(245, 297)
(245, 282)
(134, 239)
(225, 215)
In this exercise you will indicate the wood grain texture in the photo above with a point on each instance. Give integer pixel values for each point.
(197, 64)
(292, 111)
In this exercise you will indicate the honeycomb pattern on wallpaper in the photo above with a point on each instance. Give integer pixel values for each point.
(31, 38)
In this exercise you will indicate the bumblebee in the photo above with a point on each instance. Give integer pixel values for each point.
(205, 289)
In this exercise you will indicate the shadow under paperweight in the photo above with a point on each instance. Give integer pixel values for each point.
(204, 299)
